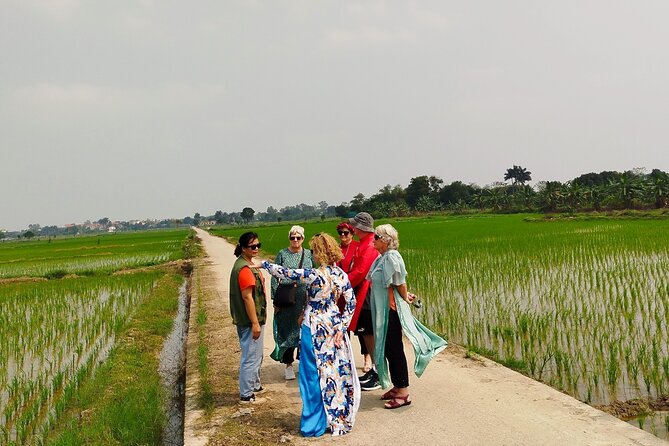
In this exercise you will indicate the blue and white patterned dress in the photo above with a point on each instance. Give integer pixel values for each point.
(328, 381)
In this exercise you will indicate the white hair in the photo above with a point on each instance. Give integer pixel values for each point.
(296, 230)
(389, 235)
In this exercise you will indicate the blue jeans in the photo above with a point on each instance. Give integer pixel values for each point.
(250, 361)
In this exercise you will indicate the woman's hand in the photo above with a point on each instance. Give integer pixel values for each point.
(338, 337)
(410, 298)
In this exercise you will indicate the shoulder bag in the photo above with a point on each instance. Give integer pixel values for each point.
(285, 295)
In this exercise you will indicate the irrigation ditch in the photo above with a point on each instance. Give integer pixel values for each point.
(172, 370)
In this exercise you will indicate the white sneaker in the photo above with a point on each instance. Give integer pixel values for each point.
(289, 373)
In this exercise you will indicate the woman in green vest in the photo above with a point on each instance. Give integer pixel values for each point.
(248, 309)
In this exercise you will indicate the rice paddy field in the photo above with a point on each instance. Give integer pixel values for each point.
(55, 332)
(582, 305)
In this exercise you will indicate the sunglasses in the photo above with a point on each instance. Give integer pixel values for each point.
(343, 232)
(295, 237)
(256, 246)
(377, 236)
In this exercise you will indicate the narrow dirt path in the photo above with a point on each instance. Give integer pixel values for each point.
(458, 401)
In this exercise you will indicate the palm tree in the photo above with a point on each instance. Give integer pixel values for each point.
(518, 174)
(594, 195)
(551, 195)
(626, 188)
(574, 196)
(658, 189)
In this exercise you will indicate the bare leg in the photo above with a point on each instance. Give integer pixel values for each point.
(369, 343)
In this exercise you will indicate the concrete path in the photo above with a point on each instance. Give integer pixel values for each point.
(458, 401)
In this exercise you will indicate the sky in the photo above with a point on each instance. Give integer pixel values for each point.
(161, 109)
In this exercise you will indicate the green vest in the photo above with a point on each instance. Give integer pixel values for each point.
(237, 308)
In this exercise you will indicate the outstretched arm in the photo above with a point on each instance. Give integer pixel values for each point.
(306, 275)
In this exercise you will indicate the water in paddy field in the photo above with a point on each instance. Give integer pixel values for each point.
(656, 423)
(172, 370)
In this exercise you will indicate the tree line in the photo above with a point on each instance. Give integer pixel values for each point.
(603, 191)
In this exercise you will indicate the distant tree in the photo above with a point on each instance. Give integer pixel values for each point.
(358, 203)
(28, 234)
(457, 192)
(427, 204)
(389, 194)
(525, 197)
(418, 187)
(626, 188)
(3, 234)
(218, 217)
(197, 218)
(342, 210)
(423, 186)
(574, 196)
(104, 221)
(550, 195)
(518, 174)
(247, 214)
(658, 188)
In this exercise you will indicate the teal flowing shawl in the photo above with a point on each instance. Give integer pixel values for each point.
(388, 270)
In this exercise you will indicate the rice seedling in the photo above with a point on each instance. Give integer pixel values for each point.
(55, 333)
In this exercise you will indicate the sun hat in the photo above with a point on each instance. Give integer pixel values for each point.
(362, 221)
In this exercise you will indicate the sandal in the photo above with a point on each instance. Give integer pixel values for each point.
(397, 402)
(389, 395)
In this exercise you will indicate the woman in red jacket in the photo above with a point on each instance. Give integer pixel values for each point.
(349, 246)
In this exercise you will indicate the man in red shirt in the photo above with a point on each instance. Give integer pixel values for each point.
(361, 323)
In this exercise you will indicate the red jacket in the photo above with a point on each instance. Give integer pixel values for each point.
(362, 261)
(346, 264)
(349, 251)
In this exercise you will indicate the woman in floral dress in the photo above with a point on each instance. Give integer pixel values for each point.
(329, 386)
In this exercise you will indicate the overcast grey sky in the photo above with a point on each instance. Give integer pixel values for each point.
(159, 109)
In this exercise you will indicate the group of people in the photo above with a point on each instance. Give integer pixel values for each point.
(351, 286)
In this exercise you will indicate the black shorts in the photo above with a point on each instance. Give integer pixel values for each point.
(364, 326)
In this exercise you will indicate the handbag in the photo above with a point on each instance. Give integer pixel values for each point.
(285, 295)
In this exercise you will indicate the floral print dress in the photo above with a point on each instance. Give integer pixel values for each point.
(334, 371)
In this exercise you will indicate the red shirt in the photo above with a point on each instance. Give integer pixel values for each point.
(362, 260)
(246, 278)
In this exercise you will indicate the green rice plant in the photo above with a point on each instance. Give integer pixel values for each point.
(90, 255)
(53, 335)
